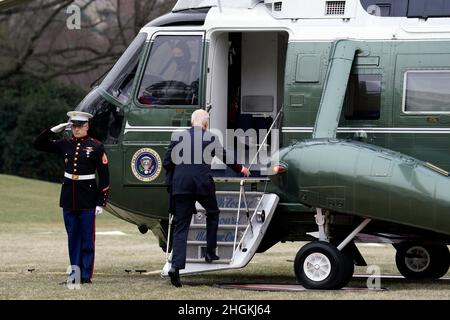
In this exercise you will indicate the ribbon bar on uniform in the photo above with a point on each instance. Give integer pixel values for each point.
(82, 177)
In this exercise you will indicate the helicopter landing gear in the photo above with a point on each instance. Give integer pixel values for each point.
(321, 265)
(421, 261)
(322, 222)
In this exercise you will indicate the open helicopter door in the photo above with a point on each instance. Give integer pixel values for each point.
(245, 91)
(245, 84)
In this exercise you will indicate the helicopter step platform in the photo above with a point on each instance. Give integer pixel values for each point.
(239, 234)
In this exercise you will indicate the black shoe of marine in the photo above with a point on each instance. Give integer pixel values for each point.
(210, 257)
(86, 281)
(174, 275)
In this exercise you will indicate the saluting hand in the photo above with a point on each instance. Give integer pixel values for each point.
(245, 171)
(60, 127)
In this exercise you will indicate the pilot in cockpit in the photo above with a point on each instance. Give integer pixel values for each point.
(180, 66)
(176, 82)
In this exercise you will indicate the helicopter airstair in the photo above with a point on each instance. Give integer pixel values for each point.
(243, 221)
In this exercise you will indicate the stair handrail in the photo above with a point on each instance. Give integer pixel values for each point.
(171, 216)
(241, 194)
(247, 212)
(249, 226)
(242, 191)
(265, 138)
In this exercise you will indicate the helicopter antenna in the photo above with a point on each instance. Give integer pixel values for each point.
(219, 3)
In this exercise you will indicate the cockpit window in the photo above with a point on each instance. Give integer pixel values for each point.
(173, 71)
(119, 80)
(106, 124)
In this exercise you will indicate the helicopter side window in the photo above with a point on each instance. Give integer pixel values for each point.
(119, 80)
(427, 91)
(363, 97)
(173, 71)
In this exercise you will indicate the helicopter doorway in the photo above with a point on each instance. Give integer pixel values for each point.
(245, 94)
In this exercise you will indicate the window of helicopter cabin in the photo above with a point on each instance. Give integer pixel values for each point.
(119, 80)
(363, 97)
(426, 91)
(173, 70)
(106, 124)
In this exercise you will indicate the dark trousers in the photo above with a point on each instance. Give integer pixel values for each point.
(80, 227)
(184, 208)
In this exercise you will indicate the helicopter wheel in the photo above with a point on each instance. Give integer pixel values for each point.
(321, 266)
(418, 261)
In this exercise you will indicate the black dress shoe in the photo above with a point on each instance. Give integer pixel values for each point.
(84, 281)
(209, 257)
(174, 275)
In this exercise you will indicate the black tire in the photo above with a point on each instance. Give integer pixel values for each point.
(349, 264)
(335, 272)
(419, 261)
(349, 269)
(441, 262)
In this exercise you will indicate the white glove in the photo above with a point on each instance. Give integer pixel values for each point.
(98, 210)
(60, 127)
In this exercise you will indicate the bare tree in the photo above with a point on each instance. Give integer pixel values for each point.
(146, 11)
(35, 39)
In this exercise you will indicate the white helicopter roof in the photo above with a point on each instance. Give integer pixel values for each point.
(195, 4)
(281, 9)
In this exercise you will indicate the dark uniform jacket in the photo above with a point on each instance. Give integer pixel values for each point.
(82, 156)
(192, 178)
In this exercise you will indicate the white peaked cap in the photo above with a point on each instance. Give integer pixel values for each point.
(79, 116)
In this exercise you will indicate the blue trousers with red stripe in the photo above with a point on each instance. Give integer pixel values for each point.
(80, 227)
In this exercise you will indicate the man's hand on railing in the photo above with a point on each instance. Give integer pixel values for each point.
(245, 171)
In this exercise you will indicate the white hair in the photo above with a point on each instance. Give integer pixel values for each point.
(200, 118)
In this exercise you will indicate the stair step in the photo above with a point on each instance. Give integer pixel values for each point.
(221, 261)
(223, 235)
(197, 249)
(219, 243)
(232, 223)
(229, 258)
(221, 226)
(238, 179)
(236, 193)
(230, 199)
(227, 213)
(225, 218)
(228, 210)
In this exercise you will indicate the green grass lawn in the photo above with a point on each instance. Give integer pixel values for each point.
(32, 236)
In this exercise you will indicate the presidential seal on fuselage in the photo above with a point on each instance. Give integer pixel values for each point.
(146, 165)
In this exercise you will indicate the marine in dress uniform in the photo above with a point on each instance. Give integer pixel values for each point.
(81, 198)
(189, 182)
